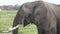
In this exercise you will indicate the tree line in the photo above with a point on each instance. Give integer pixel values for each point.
(10, 7)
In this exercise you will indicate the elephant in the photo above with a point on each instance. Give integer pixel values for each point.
(46, 16)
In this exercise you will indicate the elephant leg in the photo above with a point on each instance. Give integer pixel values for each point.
(47, 30)
(58, 26)
(51, 31)
(40, 30)
(43, 31)
(54, 31)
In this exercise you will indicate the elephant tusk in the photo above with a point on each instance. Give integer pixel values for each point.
(10, 29)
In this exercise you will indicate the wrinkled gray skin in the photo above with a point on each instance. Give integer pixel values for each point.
(45, 16)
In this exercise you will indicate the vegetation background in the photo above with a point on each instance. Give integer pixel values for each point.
(6, 21)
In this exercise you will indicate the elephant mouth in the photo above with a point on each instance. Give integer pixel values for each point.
(10, 29)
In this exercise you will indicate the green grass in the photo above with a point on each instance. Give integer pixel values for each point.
(6, 21)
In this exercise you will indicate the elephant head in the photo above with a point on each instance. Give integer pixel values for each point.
(23, 16)
(37, 13)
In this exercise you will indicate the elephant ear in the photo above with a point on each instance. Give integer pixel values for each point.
(28, 9)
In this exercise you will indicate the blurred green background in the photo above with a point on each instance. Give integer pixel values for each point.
(6, 21)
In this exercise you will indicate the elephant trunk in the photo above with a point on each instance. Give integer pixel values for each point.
(18, 20)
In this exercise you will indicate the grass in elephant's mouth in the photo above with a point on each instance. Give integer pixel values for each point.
(6, 20)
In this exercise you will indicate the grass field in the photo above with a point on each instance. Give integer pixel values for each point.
(6, 20)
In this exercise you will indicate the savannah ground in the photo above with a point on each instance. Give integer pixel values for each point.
(6, 21)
